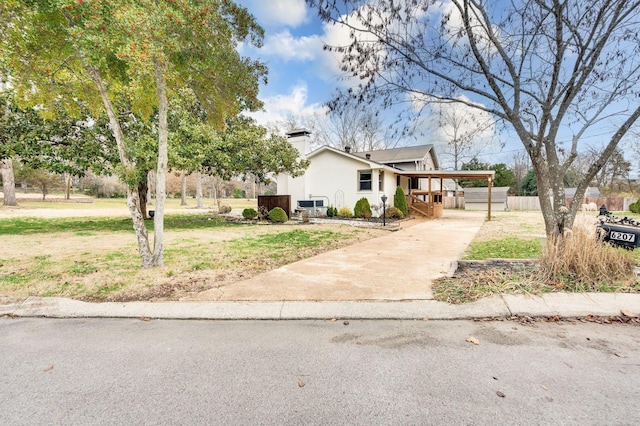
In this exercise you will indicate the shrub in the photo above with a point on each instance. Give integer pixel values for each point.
(345, 212)
(635, 207)
(263, 213)
(578, 262)
(331, 211)
(278, 215)
(393, 213)
(239, 193)
(400, 201)
(249, 213)
(224, 209)
(362, 208)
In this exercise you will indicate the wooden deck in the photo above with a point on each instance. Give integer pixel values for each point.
(426, 203)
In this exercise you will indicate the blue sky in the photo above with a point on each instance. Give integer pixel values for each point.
(302, 76)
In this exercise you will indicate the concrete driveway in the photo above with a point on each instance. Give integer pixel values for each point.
(397, 266)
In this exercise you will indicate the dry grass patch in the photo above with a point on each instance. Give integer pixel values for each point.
(105, 266)
(577, 264)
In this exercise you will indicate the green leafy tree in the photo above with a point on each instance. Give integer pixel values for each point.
(474, 164)
(544, 68)
(529, 184)
(42, 179)
(61, 144)
(503, 177)
(140, 50)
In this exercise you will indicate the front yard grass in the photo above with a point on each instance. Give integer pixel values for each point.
(522, 237)
(96, 259)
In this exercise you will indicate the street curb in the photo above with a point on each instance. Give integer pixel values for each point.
(554, 304)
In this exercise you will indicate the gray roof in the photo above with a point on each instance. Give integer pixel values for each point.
(591, 192)
(481, 195)
(398, 155)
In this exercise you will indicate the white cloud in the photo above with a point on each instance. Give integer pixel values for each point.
(289, 48)
(291, 13)
(279, 107)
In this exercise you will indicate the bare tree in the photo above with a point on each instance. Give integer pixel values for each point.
(520, 165)
(353, 126)
(545, 68)
(465, 132)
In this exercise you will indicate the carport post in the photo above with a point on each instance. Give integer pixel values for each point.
(489, 206)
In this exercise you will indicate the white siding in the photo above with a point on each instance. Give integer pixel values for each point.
(336, 178)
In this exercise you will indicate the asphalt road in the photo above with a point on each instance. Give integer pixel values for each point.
(130, 372)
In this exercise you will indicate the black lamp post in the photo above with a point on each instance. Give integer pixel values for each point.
(384, 210)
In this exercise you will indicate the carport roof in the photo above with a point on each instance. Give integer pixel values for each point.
(449, 174)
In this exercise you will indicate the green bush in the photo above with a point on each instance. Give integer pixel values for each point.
(400, 201)
(249, 213)
(224, 209)
(635, 207)
(331, 211)
(239, 193)
(393, 213)
(278, 215)
(345, 212)
(362, 208)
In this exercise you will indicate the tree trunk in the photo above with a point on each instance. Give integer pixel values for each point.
(143, 189)
(67, 186)
(183, 192)
(133, 201)
(199, 190)
(163, 159)
(8, 182)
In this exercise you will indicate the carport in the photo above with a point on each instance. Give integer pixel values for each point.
(430, 202)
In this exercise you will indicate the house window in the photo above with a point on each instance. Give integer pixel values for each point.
(364, 180)
(381, 181)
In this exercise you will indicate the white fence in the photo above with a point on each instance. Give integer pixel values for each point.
(515, 203)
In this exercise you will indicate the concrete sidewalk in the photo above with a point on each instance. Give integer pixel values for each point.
(560, 304)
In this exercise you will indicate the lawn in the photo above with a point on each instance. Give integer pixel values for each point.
(96, 258)
(521, 236)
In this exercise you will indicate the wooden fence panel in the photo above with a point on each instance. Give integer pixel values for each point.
(450, 203)
(270, 202)
(523, 203)
(515, 203)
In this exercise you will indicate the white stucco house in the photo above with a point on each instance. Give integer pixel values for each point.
(339, 178)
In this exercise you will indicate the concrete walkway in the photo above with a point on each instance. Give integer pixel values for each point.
(398, 266)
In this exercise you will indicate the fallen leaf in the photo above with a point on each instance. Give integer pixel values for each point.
(49, 368)
(300, 383)
(145, 319)
(425, 319)
(333, 320)
(627, 313)
(620, 355)
(346, 323)
(544, 387)
(500, 394)
(473, 340)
